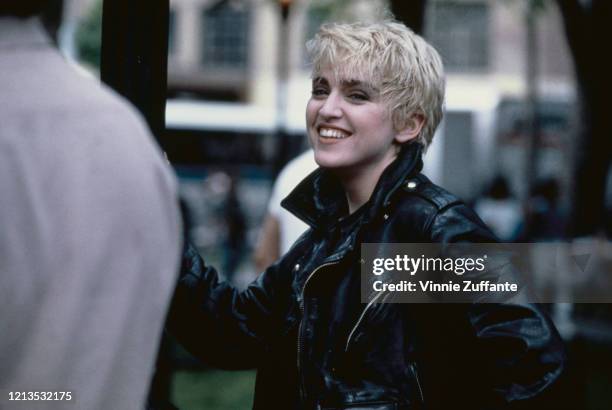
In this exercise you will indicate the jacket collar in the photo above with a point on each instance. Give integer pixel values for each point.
(319, 199)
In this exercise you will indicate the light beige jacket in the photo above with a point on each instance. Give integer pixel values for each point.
(90, 233)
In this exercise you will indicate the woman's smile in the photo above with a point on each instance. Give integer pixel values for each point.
(330, 135)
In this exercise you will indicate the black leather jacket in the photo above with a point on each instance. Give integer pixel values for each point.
(316, 346)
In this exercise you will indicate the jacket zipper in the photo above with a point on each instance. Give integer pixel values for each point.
(416, 377)
(412, 365)
(299, 341)
(348, 341)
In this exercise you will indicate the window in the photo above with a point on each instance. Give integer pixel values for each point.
(459, 31)
(225, 29)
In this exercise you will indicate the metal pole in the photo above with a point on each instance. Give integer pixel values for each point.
(135, 53)
(134, 62)
(52, 17)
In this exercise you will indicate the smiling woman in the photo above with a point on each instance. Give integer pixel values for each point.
(394, 65)
(351, 132)
(377, 94)
(364, 105)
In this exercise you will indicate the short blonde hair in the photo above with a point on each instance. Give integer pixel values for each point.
(406, 70)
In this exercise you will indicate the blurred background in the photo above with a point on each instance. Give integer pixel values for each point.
(524, 138)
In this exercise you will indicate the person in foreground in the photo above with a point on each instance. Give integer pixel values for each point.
(90, 237)
(377, 95)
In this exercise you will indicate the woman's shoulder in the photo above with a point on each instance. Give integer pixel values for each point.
(437, 210)
(423, 188)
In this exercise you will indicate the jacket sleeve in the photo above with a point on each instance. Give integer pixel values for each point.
(220, 325)
(510, 353)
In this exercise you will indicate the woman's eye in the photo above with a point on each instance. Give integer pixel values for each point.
(317, 92)
(358, 96)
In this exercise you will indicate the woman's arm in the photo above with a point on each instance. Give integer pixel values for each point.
(510, 352)
(221, 326)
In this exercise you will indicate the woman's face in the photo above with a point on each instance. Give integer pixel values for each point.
(348, 126)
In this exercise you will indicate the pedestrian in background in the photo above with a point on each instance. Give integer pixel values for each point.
(280, 228)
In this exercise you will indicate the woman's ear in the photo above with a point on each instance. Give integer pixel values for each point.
(411, 129)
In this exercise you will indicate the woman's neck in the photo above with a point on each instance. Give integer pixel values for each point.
(359, 186)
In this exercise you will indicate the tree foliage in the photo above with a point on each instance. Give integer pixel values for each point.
(89, 36)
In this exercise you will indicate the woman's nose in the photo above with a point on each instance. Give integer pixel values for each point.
(331, 107)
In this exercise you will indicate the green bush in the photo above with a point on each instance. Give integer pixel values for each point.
(213, 390)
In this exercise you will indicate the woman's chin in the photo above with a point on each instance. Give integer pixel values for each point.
(325, 161)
